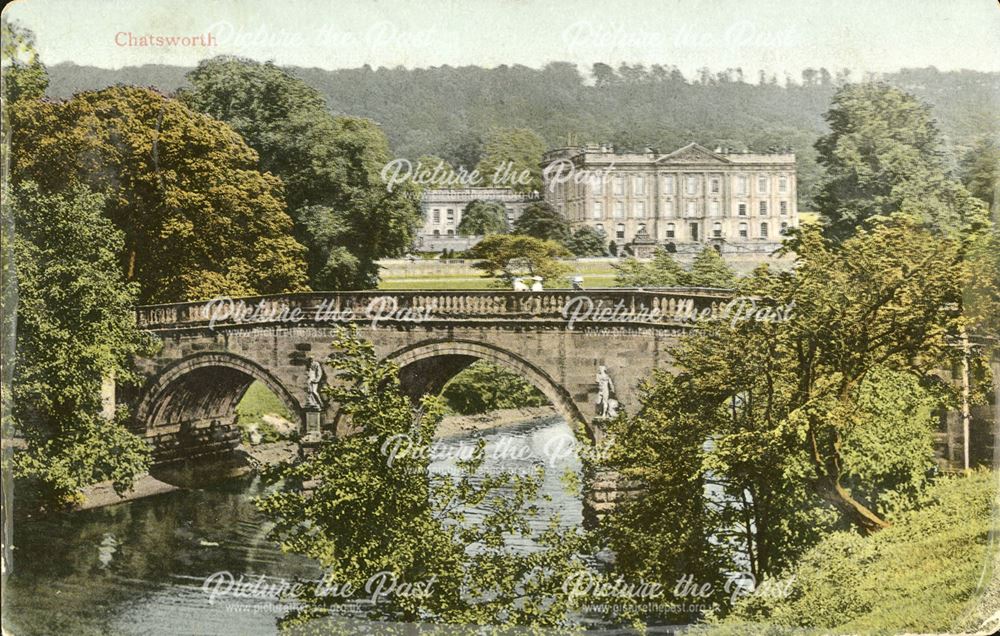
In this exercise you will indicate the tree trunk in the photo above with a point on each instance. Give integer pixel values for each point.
(853, 510)
(130, 270)
(828, 486)
(966, 413)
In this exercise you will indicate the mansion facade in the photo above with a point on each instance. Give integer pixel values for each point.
(442, 212)
(737, 201)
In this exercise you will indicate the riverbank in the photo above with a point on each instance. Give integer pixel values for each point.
(248, 458)
(458, 425)
(190, 474)
(103, 494)
(271, 453)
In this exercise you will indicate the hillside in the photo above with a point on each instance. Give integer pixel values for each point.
(447, 111)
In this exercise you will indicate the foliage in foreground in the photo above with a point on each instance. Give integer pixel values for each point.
(371, 511)
(816, 419)
(75, 326)
(922, 575)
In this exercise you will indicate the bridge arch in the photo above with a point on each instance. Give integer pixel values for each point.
(425, 367)
(204, 386)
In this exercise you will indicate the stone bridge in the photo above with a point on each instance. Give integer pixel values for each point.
(557, 340)
(212, 352)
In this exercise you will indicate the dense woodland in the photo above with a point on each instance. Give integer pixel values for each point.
(448, 111)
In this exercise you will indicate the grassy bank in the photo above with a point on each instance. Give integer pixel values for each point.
(932, 571)
(256, 403)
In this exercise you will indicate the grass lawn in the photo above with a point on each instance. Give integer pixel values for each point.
(257, 402)
(595, 274)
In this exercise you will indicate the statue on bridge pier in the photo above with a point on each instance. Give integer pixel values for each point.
(607, 405)
(313, 399)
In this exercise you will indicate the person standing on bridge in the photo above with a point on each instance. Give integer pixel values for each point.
(537, 285)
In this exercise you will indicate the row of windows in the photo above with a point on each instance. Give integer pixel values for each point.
(692, 209)
(692, 185)
(743, 230)
(436, 215)
(671, 230)
(450, 215)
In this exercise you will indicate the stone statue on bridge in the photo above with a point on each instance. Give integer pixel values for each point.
(607, 405)
(313, 399)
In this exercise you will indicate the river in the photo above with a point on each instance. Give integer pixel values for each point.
(139, 567)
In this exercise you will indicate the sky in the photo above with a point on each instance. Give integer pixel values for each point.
(776, 36)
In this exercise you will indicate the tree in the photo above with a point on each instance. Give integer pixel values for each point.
(481, 218)
(784, 399)
(362, 217)
(604, 75)
(511, 158)
(981, 298)
(199, 220)
(277, 115)
(507, 256)
(709, 270)
(980, 171)
(587, 241)
(660, 450)
(483, 386)
(872, 305)
(775, 432)
(376, 507)
(24, 76)
(662, 271)
(345, 213)
(75, 327)
(542, 221)
(883, 155)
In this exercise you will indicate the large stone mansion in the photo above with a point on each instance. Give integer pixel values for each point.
(442, 210)
(738, 201)
(683, 200)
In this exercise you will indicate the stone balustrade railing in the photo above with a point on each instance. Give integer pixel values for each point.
(616, 306)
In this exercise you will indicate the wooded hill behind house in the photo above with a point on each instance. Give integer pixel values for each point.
(448, 111)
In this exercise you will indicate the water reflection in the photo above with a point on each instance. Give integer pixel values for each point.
(139, 567)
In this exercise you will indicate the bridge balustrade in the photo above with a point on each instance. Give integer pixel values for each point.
(668, 306)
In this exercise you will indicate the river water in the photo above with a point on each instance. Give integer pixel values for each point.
(139, 567)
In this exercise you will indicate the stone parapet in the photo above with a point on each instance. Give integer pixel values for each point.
(664, 306)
